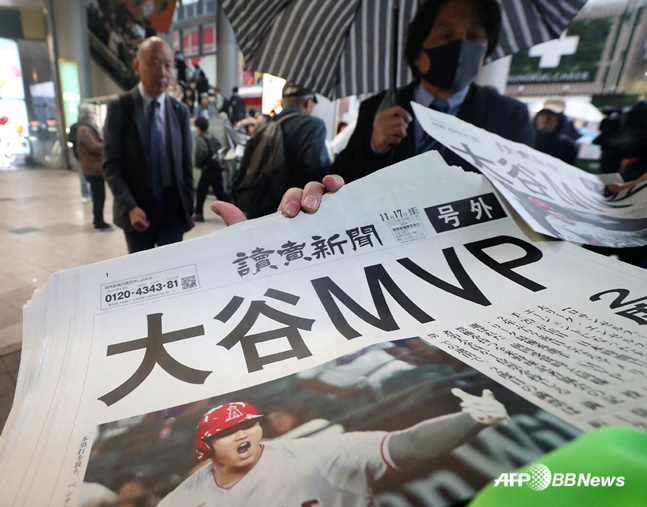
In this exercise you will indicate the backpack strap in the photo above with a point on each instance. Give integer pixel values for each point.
(283, 118)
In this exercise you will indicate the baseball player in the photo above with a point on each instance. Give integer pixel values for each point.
(331, 470)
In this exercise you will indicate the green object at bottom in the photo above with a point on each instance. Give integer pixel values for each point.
(607, 453)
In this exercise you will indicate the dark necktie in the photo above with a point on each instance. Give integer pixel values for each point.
(440, 105)
(427, 142)
(156, 163)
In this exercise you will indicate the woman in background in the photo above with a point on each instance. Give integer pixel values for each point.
(89, 144)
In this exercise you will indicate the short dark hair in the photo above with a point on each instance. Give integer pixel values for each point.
(201, 123)
(419, 28)
(235, 89)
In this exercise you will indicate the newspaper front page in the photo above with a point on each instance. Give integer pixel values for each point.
(413, 339)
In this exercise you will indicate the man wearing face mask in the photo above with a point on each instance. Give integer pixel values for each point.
(550, 137)
(446, 45)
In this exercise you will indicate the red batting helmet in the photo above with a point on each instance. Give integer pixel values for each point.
(219, 419)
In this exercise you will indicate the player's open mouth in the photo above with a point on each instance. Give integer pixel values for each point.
(244, 448)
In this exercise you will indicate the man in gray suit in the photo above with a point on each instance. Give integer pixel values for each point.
(147, 155)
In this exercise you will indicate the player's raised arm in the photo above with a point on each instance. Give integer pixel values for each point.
(437, 436)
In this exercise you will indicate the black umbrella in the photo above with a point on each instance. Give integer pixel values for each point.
(345, 47)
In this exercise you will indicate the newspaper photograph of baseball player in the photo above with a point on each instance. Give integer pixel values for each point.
(398, 423)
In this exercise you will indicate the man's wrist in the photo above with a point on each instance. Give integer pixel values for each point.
(376, 151)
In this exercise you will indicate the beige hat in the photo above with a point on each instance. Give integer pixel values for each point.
(556, 106)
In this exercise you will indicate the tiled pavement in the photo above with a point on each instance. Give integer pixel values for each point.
(44, 228)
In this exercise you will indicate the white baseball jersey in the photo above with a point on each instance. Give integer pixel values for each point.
(309, 472)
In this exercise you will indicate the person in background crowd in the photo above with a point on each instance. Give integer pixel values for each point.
(206, 147)
(193, 86)
(237, 107)
(180, 66)
(116, 40)
(248, 123)
(190, 73)
(611, 127)
(202, 83)
(222, 104)
(121, 14)
(175, 90)
(89, 145)
(549, 137)
(187, 99)
(632, 166)
(129, 52)
(204, 108)
(147, 155)
(149, 31)
(104, 33)
(72, 140)
(212, 99)
(134, 28)
(446, 45)
(95, 21)
(628, 153)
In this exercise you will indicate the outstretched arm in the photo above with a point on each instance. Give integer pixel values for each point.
(434, 437)
(614, 188)
(294, 200)
(308, 198)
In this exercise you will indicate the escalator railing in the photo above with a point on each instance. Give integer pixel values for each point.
(111, 64)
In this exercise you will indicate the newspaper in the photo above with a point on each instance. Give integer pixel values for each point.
(398, 307)
(553, 197)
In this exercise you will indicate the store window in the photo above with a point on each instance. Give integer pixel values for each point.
(190, 42)
(209, 38)
(28, 101)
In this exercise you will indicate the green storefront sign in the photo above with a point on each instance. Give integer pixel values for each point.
(575, 57)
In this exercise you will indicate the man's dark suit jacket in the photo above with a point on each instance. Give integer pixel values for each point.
(483, 107)
(126, 156)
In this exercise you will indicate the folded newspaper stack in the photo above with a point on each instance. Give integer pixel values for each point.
(414, 301)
